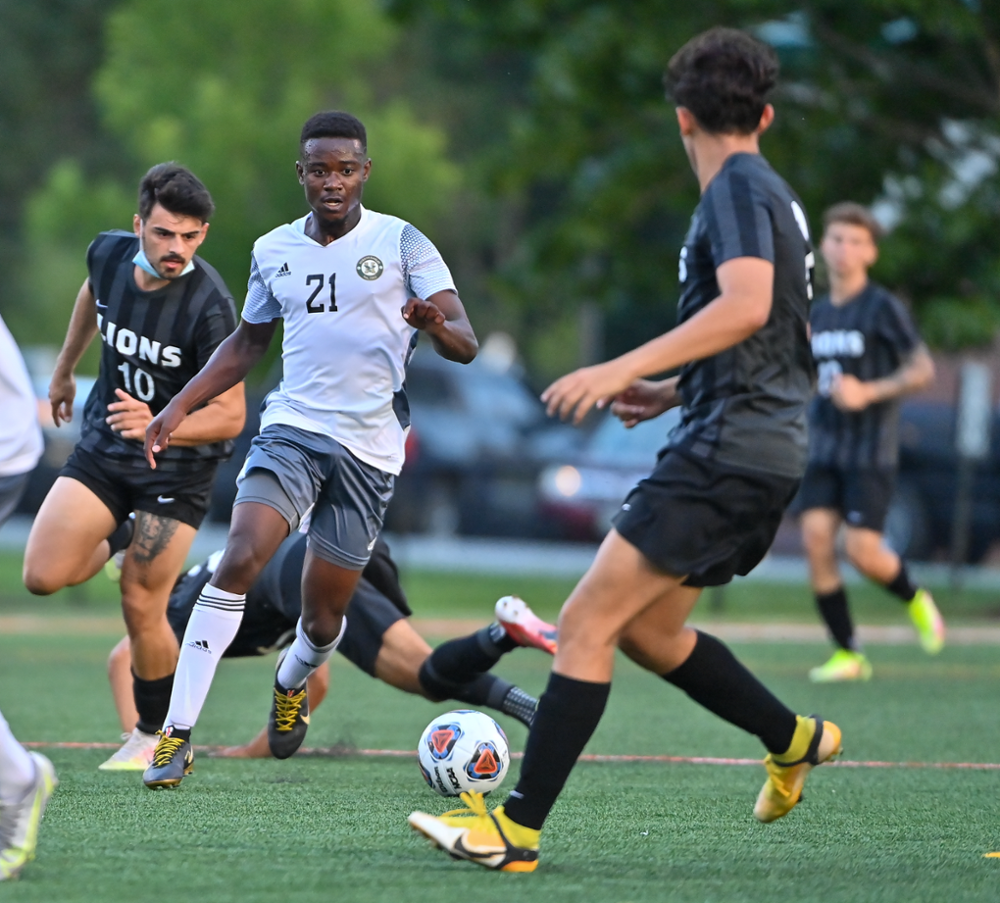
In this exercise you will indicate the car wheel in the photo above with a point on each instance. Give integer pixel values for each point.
(907, 525)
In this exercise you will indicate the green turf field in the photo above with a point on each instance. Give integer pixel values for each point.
(315, 829)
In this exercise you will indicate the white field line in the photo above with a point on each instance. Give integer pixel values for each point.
(341, 752)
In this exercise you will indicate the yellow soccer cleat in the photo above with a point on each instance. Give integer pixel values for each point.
(820, 741)
(843, 665)
(489, 839)
(928, 621)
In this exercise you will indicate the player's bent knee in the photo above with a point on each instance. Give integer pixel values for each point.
(866, 552)
(38, 582)
(141, 616)
(321, 628)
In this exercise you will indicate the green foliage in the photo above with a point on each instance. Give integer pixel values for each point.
(872, 95)
(224, 88)
(66, 207)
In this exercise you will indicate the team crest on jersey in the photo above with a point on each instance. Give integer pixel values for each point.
(370, 268)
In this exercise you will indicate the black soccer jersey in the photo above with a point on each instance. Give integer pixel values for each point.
(746, 406)
(868, 337)
(153, 343)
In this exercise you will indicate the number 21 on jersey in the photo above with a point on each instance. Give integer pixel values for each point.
(315, 304)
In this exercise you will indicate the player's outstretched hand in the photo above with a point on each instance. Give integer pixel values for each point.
(160, 429)
(644, 400)
(128, 417)
(422, 314)
(256, 749)
(62, 391)
(576, 393)
(849, 393)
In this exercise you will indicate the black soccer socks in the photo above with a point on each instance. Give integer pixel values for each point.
(714, 679)
(836, 614)
(568, 714)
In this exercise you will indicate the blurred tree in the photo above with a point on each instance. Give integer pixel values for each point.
(50, 53)
(887, 102)
(224, 88)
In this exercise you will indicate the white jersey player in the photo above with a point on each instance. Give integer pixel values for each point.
(353, 287)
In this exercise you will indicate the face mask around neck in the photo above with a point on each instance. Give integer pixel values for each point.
(142, 261)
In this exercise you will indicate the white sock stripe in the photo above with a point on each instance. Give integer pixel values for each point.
(220, 595)
(219, 606)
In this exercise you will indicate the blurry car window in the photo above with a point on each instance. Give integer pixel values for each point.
(501, 397)
(613, 444)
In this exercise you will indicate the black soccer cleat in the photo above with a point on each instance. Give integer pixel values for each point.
(289, 718)
(173, 760)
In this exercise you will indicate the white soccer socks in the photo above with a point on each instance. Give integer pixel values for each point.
(214, 622)
(303, 657)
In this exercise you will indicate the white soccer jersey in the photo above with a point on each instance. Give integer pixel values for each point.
(20, 435)
(346, 344)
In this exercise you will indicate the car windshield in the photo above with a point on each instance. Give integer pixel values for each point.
(613, 444)
(501, 397)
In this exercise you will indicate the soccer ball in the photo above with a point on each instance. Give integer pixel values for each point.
(463, 750)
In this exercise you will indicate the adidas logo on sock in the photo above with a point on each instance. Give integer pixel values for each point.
(284, 271)
(200, 644)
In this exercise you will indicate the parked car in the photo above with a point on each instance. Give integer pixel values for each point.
(478, 439)
(920, 519)
(581, 493)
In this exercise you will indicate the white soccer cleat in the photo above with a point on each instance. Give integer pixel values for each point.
(135, 755)
(19, 822)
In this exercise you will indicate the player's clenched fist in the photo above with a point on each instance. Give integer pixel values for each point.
(422, 314)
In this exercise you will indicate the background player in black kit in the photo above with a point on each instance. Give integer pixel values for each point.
(379, 639)
(160, 312)
(712, 505)
(869, 355)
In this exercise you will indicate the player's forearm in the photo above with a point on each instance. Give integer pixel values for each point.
(455, 340)
(916, 374)
(227, 367)
(81, 331)
(727, 321)
(221, 419)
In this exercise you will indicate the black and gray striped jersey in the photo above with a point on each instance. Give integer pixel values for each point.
(869, 337)
(153, 343)
(746, 406)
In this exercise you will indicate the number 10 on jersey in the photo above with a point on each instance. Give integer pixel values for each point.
(319, 280)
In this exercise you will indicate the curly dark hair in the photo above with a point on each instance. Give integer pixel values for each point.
(177, 189)
(334, 124)
(723, 76)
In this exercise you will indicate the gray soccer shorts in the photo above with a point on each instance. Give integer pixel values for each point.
(11, 490)
(293, 470)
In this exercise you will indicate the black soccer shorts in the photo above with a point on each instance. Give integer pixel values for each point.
(125, 485)
(702, 519)
(861, 495)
